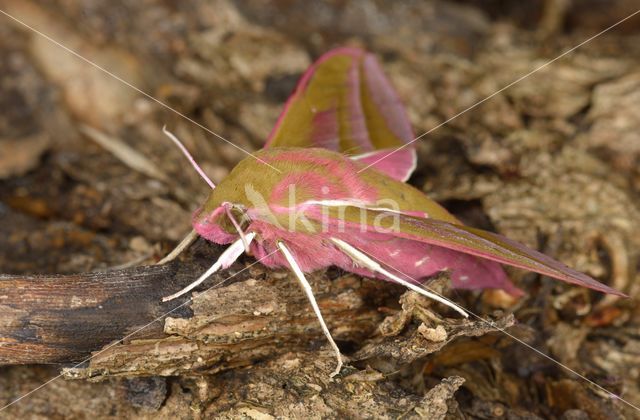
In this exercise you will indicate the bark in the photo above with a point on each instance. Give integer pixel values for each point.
(258, 329)
(62, 319)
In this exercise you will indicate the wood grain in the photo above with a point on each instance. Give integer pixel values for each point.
(57, 319)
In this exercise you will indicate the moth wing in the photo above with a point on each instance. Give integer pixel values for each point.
(467, 240)
(345, 103)
(414, 261)
(497, 248)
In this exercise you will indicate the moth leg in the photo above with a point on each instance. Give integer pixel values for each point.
(182, 246)
(365, 261)
(227, 209)
(225, 260)
(309, 292)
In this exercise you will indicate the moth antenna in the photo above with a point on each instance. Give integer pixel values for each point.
(309, 292)
(184, 244)
(188, 155)
(227, 209)
(228, 257)
(363, 259)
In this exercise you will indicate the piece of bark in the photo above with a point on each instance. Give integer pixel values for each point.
(404, 341)
(295, 385)
(249, 321)
(59, 319)
(62, 319)
(439, 400)
(48, 319)
(241, 323)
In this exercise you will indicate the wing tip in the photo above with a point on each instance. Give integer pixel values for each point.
(611, 291)
(577, 278)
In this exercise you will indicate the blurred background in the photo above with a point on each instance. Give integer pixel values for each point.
(88, 181)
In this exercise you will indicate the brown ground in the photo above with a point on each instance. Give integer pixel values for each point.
(552, 162)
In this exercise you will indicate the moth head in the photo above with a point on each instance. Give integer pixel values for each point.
(223, 224)
(216, 221)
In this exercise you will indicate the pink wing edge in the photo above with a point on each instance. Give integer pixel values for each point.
(399, 164)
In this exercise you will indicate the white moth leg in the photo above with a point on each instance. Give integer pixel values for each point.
(309, 292)
(365, 261)
(184, 244)
(226, 259)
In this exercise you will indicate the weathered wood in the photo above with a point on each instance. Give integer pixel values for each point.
(242, 323)
(62, 319)
(57, 319)
(118, 320)
(262, 316)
